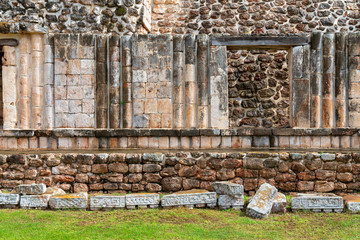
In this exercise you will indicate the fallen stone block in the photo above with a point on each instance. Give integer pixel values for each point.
(34, 201)
(190, 199)
(262, 202)
(352, 202)
(106, 202)
(317, 202)
(55, 191)
(228, 188)
(226, 202)
(279, 205)
(142, 200)
(71, 201)
(31, 189)
(8, 200)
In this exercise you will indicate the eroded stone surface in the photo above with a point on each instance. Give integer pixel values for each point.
(352, 203)
(261, 204)
(189, 198)
(142, 200)
(226, 202)
(228, 188)
(279, 205)
(55, 191)
(317, 202)
(34, 201)
(31, 189)
(107, 202)
(9, 200)
(71, 201)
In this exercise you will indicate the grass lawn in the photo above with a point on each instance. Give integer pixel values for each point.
(174, 224)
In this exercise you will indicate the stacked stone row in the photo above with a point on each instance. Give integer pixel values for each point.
(151, 172)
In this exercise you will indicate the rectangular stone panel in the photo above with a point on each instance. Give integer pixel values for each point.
(107, 202)
(261, 204)
(71, 201)
(9, 200)
(35, 201)
(352, 202)
(31, 189)
(228, 188)
(317, 202)
(191, 198)
(142, 200)
(226, 202)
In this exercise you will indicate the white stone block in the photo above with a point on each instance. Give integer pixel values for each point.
(229, 188)
(142, 200)
(71, 201)
(261, 204)
(31, 189)
(189, 198)
(318, 202)
(226, 202)
(34, 201)
(279, 205)
(352, 202)
(9, 200)
(107, 202)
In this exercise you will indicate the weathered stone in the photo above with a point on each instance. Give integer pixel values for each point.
(71, 201)
(106, 202)
(317, 202)
(31, 189)
(352, 202)
(226, 202)
(34, 201)
(9, 200)
(54, 191)
(229, 188)
(142, 200)
(189, 199)
(261, 204)
(279, 205)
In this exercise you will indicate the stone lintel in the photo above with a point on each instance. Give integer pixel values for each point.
(260, 41)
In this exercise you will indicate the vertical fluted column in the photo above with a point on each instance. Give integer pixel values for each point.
(25, 82)
(315, 79)
(190, 82)
(101, 84)
(354, 79)
(203, 80)
(178, 82)
(340, 80)
(328, 80)
(114, 51)
(9, 88)
(126, 81)
(37, 80)
(49, 83)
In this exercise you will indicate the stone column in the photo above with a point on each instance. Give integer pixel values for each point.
(101, 83)
(126, 81)
(328, 80)
(114, 112)
(9, 71)
(354, 79)
(178, 81)
(203, 80)
(25, 82)
(340, 80)
(190, 82)
(315, 79)
(301, 86)
(219, 100)
(49, 83)
(37, 80)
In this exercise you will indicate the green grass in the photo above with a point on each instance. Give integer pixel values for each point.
(174, 224)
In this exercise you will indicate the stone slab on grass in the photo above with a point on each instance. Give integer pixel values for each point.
(71, 201)
(317, 202)
(352, 202)
(142, 200)
(226, 202)
(8, 200)
(228, 188)
(106, 202)
(279, 205)
(262, 202)
(31, 189)
(191, 198)
(34, 201)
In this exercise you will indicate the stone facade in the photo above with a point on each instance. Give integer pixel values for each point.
(175, 171)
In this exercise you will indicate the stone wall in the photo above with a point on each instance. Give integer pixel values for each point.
(233, 17)
(174, 171)
(259, 88)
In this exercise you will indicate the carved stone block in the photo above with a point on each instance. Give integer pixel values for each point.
(352, 203)
(34, 201)
(9, 200)
(189, 199)
(71, 201)
(106, 202)
(261, 204)
(318, 202)
(31, 189)
(279, 205)
(142, 200)
(228, 188)
(226, 202)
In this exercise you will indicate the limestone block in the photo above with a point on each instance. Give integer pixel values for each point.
(352, 203)
(31, 189)
(71, 201)
(106, 202)
(226, 202)
(199, 198)
(9, 200)
(261, 204)
(34, 201)
(142, 200)
(228, 188)
(279, 205)
(55, 191)
(327, 202)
